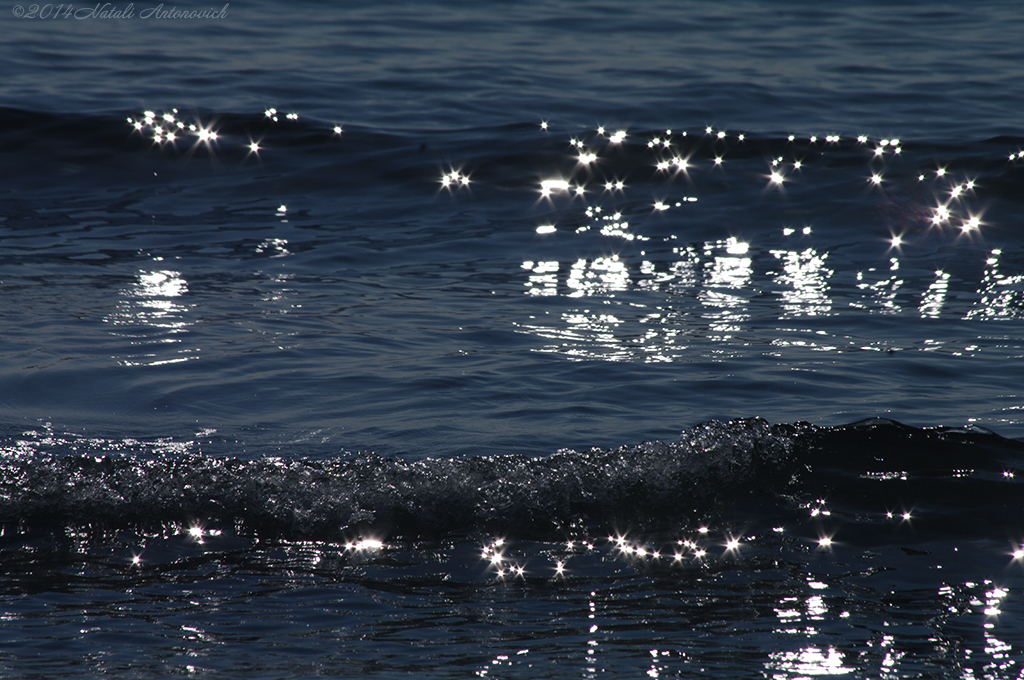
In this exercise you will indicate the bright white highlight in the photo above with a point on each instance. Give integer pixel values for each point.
(550, 185)
(365, 545)
(734, 247)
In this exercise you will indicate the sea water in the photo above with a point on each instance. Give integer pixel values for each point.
(512, 340)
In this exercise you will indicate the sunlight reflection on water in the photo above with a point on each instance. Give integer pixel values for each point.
(648, 307)
(151, 316)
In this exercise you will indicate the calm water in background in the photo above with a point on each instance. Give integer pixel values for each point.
(386, 273)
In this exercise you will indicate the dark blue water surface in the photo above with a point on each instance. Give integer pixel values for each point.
(512, 340)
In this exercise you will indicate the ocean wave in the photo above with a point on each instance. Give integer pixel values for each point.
(297, 152)
(953, 481)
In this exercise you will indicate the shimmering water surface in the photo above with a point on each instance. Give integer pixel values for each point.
(334, 341)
